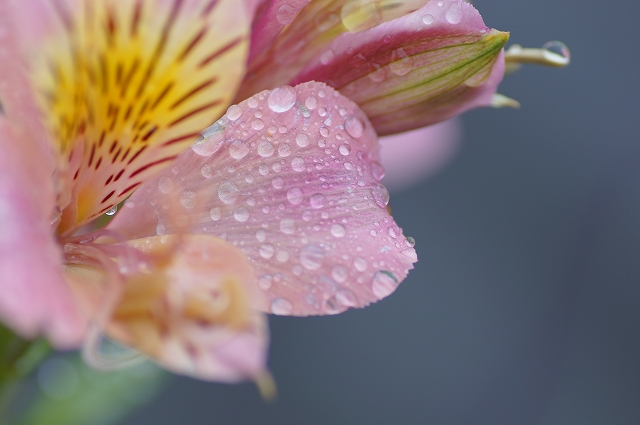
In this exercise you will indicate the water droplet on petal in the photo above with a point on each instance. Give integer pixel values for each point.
(302, 140)
(165, 185)
(360, 264)
(345, 149)
(553, 49)
(261, 235)
(284, 150)
(241, 214)
(427, 19)
(440, 3)
(410, 242)
(265, 149)
(327, 57)
(188, 199)
(453, 15)
(228, 192)
(266, 251)
(281, 99)
(338, 230)
(234, 112)
(286, 13)
(264, 281)
(377, 170)
(207, 171)
(311, 257)
(384, 283)
(317, 201)
(311, 103)
(277, 182)
(378, 74)
(354, 126)
(282, 256)
(288, 226)
(281, 306)
(215, 213)
(295, 196)
(380, 195)
(403, 64)
(112, 210)
(297, 164)
(339, 273)
(238, 149)
(346, 298)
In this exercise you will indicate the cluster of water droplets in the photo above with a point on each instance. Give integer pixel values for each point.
(291, 177)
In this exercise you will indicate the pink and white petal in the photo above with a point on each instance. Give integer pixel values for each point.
(411, 157)
(201, 323)
(287, 34)
(423, 68)
(16, 93)
(34, 298)
(292, 178)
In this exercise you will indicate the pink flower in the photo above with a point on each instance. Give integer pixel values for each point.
(277, 207)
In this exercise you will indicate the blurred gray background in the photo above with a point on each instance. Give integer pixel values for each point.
(524, 306)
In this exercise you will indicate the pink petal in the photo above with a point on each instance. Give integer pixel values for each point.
(290, 177)
(412, 156)
(423, 68)
(288, 33)
(34, 298)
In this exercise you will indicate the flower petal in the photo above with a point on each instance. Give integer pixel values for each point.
(423, 68)
(34, 298)
(184, 301)
(287, 34)
(290, 177)
(412, 156)
(127, 85)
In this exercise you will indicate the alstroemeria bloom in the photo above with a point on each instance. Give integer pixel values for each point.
(277, 208)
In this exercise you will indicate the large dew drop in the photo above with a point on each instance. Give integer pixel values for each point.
(384, 283)
(311, 257)
(453, 15)
(281, 306)
(228, 192)
(281, 99)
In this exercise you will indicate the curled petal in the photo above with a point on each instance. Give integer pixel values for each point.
(416, 70)
(34, 298)
(287, 34)
(292, 178)
(183, 301)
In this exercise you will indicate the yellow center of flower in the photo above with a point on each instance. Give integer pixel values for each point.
(127, 84)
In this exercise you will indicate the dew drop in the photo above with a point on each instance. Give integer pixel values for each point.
(384, 283)
(380, 195)
(440, 3)
(410, 242)
(317, 201)
(344, 149)
(207, 171)
(360, 264)
(234, 112)
(427, 19)
(241, 214)
(339, 273)
(281, 99)
(215, 213)
(228, 192)
(453, 15)
(282, 256)
(265, 149)
(402, 64)
(311, 103)
(284, 150)
(165, 185)
(346, 298)
(302, 140)
(112, 210)
(210, 140)
(252, 102)
(378, 75)
(297, 164)
(281, 306)
(264, 282)
(288, 226)
(266, 251)
(257, 124)
(286, 13)
(261, 235)
(354, 126)
(277, 182)
(327, 57)
(311, 257)
(188, 199)
(295, 196)
(238, 149)
(556, 51)
(338, 230)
